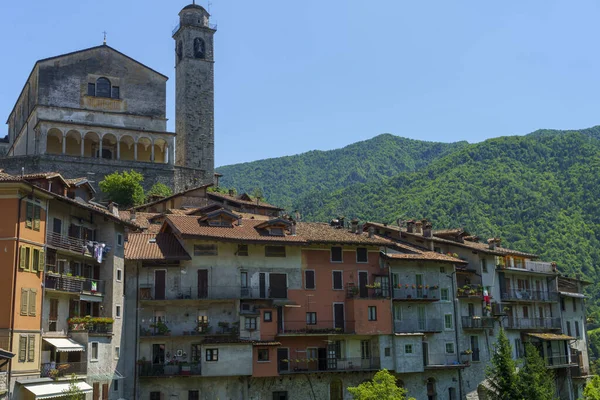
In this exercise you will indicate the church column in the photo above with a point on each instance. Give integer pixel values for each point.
(119, 148)
(171, 152)
(166, 153)
(64, 143)
(135, 149)
(82, 145)
(152, 151)
(100, 149)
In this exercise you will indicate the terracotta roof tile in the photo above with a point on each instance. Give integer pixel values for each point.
(142, 219)
(426, 256)
(324, 233)
(550, 336)
(174, 195)
(237, 199)
(161, 246)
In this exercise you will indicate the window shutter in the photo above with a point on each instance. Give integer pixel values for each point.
(29, 215)
(24, 298)
(42, 263)
(31, 348)
(32, 301)
(22, 348)
(105, 391)
(22, 258)
(35, 260)
(36, 217)
(96, 391)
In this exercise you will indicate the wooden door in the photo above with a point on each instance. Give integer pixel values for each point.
(96, 391)
(338, 316)
(160, 284)
(363, 280)
(278, 286)
(202, 283)
(105, 391)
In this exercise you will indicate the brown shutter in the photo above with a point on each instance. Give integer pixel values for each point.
(105, 391)
(24, 298)
(22, 348)
(96, 391)
(36, 217)
(22, 258)
(53, 309)
(31, 348)
(32, 301)
(29, 215)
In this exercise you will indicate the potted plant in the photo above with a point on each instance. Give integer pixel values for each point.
(53, 373)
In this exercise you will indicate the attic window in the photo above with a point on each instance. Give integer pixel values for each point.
(219, 222)
(276, 232)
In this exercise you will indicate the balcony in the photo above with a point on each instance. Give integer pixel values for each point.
(64, 242)
(411, 293)
(418, 325)
(530, 266)
(318, 328)
(476, 322)
(201, 329)
(73, 284)
(469, 292)
(149, 292)
(529, 295)
(60, 370)
(531, 323)
(149, 370)
(95, 325)
(443, 361)
(559, 361)
(299, 366)
(355, 292)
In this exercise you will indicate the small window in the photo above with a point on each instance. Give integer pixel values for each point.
(263, 355)
(484, 265)
(115, 385)
(309, 279)
(115, 92)
(119, 239)
(276, 232)
(336, 254)
(372, 313)
(444, 294)
(212, 354)
(119, 275)
(242, 250)
(362, 255)
(250, 323)
(338, 283)
(154, 395)
(205, 250)
(94, 354)
(268, 316)
(408, 349)
(577, 333)
(448, 321)
(311, 318)
(568, 328)
(117, 352)
(118, 311)
(449, 348)
(91, 89)
(103, 87)
(442, 270)
(562, 304)
(179, 50)
(244, 279)
(387, 352)
(199, 48)
(274, 251)
(193, 395)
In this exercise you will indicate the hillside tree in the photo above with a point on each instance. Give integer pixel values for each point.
(382, 387)
(501, 373)
(536, 382)
(124, 189)
(159, 189)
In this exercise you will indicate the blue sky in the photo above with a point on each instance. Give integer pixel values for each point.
(298, 76)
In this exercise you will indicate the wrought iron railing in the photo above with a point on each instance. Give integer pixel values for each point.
(531, 323)
(147, 369)
(73, 284)
(529, 295)
(418, 325)
(301, 365)
(150, 292)
(57, 370)
(318, 327)
(477, 322)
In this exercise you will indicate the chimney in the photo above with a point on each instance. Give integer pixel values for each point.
(399, 222)
(354, 224)
(410, 226)
(341, 219)
(492, 243)
(427, 229)
(359, 229)
(231, 192)
(132, 215)
(371, 232)
(240, 221)
(418, 227)
(293, 229)
(498, 242)
(113, 208)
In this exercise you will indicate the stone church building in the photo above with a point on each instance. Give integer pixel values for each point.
(95, 111)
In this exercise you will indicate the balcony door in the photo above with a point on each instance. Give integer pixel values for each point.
(419, 280)
(202, 283)
(160, 284)
(262, 285)
(278, 286)
(338, 315)
(475, 348)
(57, 226)
(363, 280)
(282, 354)
(425, 353)
(421, 315)
(158, 354)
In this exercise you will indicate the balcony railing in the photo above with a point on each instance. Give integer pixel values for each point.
(529, 295)
(533, 266)
(292, 366)
(412, 294)
(531, 323)
(73, 284)
(443, 360)
(560, 361)
(355, 292)
(318, 328)
(100, 325)
(149, 292)
(475, 322)
(56, 370)
(418, 325)
(469, 292)
(219, 328)
(65, 242)
(146, 369)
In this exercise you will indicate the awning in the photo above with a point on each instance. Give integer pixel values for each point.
(409, 334)
(64, 344)
(571, 294)
(105, 375)
(55, 389)
(550, 336)
(90, 299)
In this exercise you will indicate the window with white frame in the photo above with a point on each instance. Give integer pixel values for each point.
(250, 323)
(444, 294)
(408, 349)
(94, 352)
(119, 239)
(338, 283)
(212, 354)
(448, 321)
(119, 275)
(449, 347)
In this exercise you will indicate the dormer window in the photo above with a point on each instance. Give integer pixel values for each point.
(219, 222)
(103, 88)
(276, 232)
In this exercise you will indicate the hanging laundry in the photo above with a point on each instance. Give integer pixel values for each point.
(94, 286)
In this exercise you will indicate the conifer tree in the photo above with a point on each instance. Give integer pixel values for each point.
(536, 382)
(501, 374)
(592, 389)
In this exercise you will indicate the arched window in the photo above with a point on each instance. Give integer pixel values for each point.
(179, 50)
(336, 390)
(199, 48)
(431, 392)
(102, 87)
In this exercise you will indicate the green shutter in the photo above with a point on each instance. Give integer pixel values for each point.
(42, 262)
(31, 348)
(24, 299)
(29, 215)
(35, 260)
(32, 301)
(22, 258)
(36, 217)
(22, 348)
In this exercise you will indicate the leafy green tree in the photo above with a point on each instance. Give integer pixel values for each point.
(501, 373)
(73, 392)
(159, 189)
(536, 382)
(382, 387)
(592, 389)
(125, 189)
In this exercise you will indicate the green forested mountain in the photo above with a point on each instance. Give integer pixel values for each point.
(539, 192)
(283, 180)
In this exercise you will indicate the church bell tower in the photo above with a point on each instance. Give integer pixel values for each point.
(195, 96)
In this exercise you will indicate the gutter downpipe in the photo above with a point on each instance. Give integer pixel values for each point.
(455, 311)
